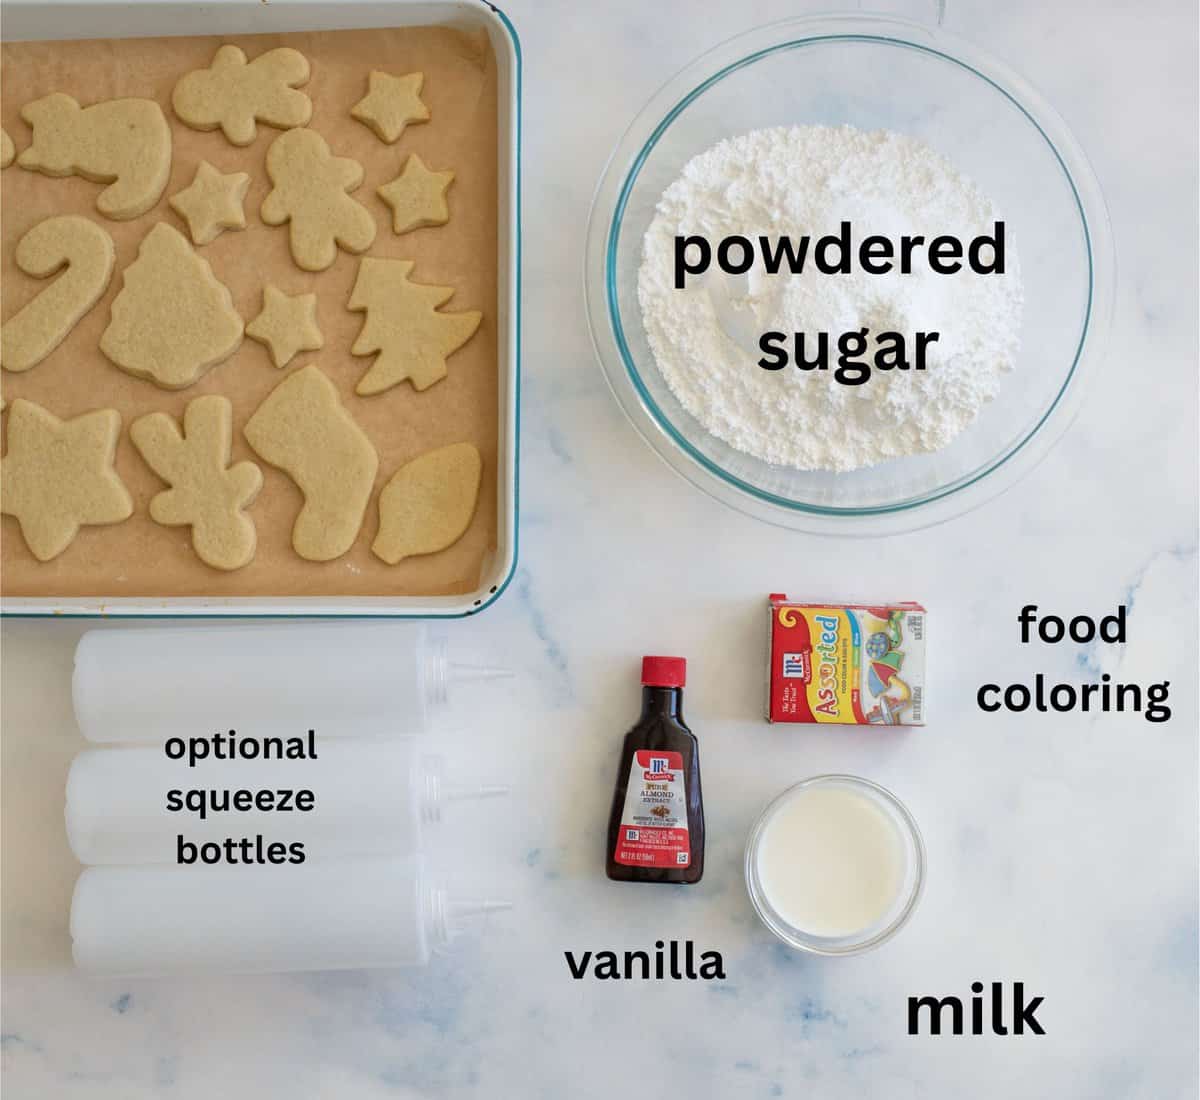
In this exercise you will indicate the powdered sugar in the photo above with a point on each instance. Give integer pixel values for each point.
(807, 180)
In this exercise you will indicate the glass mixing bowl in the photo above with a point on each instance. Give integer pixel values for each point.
(871, 72)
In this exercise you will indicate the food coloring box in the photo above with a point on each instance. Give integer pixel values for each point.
(846, 664)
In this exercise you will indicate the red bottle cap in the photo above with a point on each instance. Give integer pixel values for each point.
(664, 672)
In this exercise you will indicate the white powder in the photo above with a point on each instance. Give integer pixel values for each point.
(790, 182)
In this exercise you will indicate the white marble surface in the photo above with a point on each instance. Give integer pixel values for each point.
(1062, 851)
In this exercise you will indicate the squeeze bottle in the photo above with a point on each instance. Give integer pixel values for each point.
(341, 679)
(369, 798)
(344, 915)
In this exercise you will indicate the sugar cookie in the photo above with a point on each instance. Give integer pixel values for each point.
(232, 94)
(303, 429)
(7, 149)
(205, 493)
(417, 196)
(58, 475)
(403, 324)
(125, 143)
(173, 318)
(391, 103)
(428, 503)
(310, 192)
(86, 251)
(212, 203)
(287, 325)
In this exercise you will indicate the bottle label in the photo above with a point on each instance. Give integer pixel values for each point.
(654, 823)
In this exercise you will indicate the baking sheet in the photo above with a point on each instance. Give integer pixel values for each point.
(141, 558)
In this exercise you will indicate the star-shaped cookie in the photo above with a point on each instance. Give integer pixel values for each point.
(417, 196)
(391, 104)
(212, 203)
(58, 475)
(287, 325)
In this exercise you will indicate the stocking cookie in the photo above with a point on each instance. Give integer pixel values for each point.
(428, 503)
(7, 149)
(212, 203)
(286, 325)
(303, 429)
(58, 475)
(404, 325)
(125, 143)
(173, 318)
(205, 493)
(233, 94)
(310, 186)
(86, 251)
(417, 196)
(391, 103)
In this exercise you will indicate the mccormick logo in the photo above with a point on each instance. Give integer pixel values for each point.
(793, 665)
(660, 769)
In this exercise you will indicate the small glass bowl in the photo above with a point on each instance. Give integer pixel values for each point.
(872, 72)
(902, 906)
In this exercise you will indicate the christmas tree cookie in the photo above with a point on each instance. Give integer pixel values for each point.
(174, 319)
(404, 325)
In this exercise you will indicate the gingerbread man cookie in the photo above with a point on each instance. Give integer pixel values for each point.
(233, 94)
(310, 186)
(87, 253)
(205, 493)
(58, 475)
(125, 143)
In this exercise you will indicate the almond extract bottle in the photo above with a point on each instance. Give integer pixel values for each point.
(656, 828)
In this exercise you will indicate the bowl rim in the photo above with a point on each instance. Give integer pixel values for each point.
(607, 328)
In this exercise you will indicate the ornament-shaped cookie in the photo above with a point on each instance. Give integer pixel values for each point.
(428, 503)
(87, 254)
(391, 104)
(58, 475)
(303, 428)
(417, 196)
(174, 319)
(310, 192)
(233, 94)
(125, 143)
(403, 324)
(206, 493)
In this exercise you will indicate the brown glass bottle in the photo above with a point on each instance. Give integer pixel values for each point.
(656, 827)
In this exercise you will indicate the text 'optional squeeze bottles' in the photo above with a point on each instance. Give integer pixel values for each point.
(656, 829)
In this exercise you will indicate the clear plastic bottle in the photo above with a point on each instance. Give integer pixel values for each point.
(368, 798)
(142, 685)
(343, 915)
